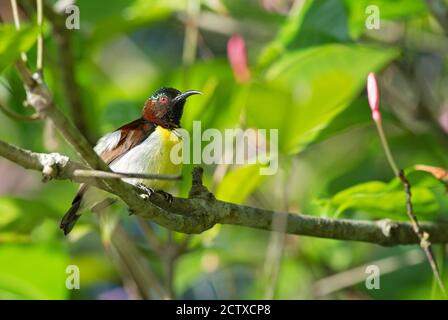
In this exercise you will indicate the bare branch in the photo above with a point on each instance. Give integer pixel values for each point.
(130, 261)
(120, 175)
(201, 210)
(425, 244)
(40, 98)
(15, 14)
(17, 116)
(73, 92)
(349, 278)
(26, 75)
(40, 38)
(55, 165)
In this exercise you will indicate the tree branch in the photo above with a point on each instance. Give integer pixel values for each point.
(440, 12)
(63, 40)
(425, 244)
(40, 38)
(201, 210)
(120, 175)
(17, 116)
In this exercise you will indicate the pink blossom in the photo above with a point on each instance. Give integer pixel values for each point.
(373, 95)
(443, 121)
(237, 55)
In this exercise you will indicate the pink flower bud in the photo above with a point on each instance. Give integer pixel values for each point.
(373, 95)
(237, 55)
(443, 121)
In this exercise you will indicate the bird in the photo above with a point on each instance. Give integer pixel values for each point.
(140, 146)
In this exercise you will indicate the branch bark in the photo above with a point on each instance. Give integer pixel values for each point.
(72, 89)
(200, 211)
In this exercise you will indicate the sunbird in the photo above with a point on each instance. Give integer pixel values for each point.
(140, 146)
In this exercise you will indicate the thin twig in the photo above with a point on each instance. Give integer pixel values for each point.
(27, 76)
(190, 38)
(134, 263)
(120, 175)
(385, 144)
(276, 246)
(72, 89)
(425, 244)
(191, 33)
(339, 281)
(15, 14)
(150, 235)
(200, 212)
(183, 245)
(17, 116)
(21, 63)
(170, 253)
(52, 165)
(40, 39)
(168, 257)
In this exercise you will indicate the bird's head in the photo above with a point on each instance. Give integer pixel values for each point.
(165, 107)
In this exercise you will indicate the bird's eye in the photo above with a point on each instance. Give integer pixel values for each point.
(163, 100)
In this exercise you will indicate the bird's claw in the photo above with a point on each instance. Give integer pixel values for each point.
(167, 196)
(147, 192)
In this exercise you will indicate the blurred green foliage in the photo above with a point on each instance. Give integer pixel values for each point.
(309, 62)
(15, 42)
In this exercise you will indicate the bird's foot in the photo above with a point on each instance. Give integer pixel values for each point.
(167, 196)
(147, 192)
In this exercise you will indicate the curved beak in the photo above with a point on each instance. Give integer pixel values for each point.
(185, 95)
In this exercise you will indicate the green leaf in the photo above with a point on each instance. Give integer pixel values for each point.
(119, 16)
(216, 108)
(239, 183)
(388, 10)
(22, 215)
(33, 271)
(306, 89)
(310, 24)
(353, 116)
(286, 34)
(13, 42)
(325, 22)
(382, 200)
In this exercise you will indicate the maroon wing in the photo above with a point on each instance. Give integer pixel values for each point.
(131, 134)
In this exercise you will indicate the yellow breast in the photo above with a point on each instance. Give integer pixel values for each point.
(163, 164)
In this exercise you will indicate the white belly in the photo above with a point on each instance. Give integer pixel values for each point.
(151, 156)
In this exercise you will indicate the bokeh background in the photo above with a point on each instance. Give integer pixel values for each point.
(298, 66)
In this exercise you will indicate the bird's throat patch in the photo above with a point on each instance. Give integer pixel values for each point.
(168, 139)
(166, 135)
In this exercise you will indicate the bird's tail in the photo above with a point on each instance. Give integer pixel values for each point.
(72, 215)
(70, 218)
